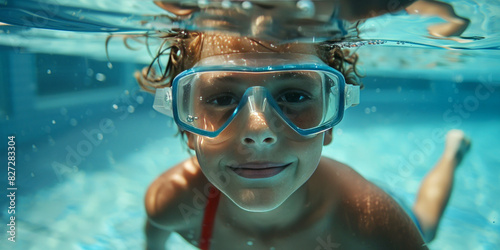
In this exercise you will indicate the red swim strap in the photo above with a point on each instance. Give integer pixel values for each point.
(208, 218)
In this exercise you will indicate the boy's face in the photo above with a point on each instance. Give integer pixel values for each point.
(258, 161)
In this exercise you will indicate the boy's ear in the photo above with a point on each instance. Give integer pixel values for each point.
(190, 139)
(328, 137)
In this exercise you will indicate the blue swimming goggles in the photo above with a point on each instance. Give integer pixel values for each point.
(308, 95)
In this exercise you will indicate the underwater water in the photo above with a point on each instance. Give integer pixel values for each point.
(88, 142)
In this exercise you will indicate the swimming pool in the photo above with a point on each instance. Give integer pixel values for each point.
(85, 154)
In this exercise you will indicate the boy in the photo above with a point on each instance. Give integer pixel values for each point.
(257, 114)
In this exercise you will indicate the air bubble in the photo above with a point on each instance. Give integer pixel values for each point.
(49, 71)
(191, 118)
(110, 65)
(139, 99)
(51, 141)
(35, 149)
(459, 78)
(306, 6)
(246, 5)
(493, 216)
(115, 106)
(339, 131)
(202, 3)
(367, 110)
(53, 121)
(100, 77)
(226, 4)
(250, 243)
(130, 109)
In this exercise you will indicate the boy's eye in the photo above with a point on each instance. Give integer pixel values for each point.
(293, 97)
(223, 100)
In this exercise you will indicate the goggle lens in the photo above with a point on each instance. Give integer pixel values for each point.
(306, 99)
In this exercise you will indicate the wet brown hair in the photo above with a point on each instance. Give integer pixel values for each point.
(184, 51)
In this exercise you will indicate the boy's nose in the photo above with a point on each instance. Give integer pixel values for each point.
(257, 132)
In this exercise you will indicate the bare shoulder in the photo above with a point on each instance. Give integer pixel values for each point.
(340, 176)
(169, 199)
(368, 212)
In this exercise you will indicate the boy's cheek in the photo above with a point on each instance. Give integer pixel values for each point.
(191, 140)
(328, 137)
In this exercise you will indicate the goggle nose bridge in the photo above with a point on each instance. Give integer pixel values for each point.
(256, 98)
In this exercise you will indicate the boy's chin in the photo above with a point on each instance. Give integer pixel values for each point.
(258, 204)
(258, 208)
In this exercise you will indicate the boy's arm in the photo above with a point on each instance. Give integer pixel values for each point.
(383, 222)
(155, 237)
(399, 232)
(375, 218)
(163, 202)
(157, 203)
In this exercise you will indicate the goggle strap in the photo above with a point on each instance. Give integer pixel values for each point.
(163, 101)
(351, 95)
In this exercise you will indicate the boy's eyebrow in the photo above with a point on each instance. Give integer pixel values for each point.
(300, 75)
(220, 79)
(240, 77)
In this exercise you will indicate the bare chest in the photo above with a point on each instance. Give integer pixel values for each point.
(320, 235)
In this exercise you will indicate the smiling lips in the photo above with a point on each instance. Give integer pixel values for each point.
(254, 170)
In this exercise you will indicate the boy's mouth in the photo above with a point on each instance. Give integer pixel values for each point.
(254, 170)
